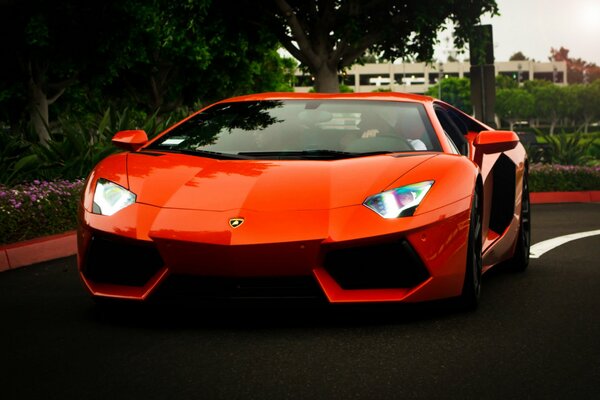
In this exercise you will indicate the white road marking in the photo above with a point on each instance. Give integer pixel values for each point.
(540, 248)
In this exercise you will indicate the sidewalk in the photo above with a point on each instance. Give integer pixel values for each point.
(47, 248)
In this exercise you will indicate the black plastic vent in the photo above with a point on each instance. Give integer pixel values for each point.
(503, 198)
(121, 261)
(383, 266)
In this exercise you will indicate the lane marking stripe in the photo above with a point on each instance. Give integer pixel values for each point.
(540, 248)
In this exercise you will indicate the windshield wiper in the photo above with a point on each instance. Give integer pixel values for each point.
(316, 153)
(206, 153)
(292, 152)
(374, 153)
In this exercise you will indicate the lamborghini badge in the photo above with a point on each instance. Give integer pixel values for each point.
(236, 222)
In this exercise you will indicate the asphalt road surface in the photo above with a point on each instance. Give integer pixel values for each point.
(536, 335)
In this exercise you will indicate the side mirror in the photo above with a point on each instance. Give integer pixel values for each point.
(130, 140)
(496, 141)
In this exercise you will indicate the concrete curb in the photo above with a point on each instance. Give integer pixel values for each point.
(33, 251)
(47, 248)
(591, 196)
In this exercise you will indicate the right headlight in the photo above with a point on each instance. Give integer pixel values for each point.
(110, 197)
(398, 202)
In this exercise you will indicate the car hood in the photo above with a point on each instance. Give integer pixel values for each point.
(190, 182)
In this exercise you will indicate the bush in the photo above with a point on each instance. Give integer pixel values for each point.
(37, 209)
(570, 149)
(563, 178)
(76, 145)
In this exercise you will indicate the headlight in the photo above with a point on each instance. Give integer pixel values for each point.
(399, 202)
(110, 197)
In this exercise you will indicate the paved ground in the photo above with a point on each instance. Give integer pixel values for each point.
(536, 335)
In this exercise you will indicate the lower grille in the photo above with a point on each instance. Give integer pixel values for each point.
(383, 266)
(121, 261)
(304, 287)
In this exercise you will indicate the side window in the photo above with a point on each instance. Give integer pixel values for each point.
(452, 132)
(454, 148)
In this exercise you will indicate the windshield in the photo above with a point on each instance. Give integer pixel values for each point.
(303, 129)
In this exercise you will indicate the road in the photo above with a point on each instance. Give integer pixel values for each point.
(536, 335)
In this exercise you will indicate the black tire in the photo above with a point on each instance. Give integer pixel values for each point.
(471, 292)
(520, 260)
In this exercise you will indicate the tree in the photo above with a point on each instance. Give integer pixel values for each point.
(518, 56)
(584, 103)
(456, 91)
(327, 36)
(194, 51)
(549, 101)
(46, 47)
(578, 70)
(514, 105)
(156, 54)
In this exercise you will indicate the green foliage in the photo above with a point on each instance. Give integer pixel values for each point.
(183, 52)
(506, 82)
(380, 90)
(563, 178)
(149, 55)
(39, 208)
(549, 101)
(49, 48)
(456, 91)
(77, 147)
(569, 149)
(330, 36)
(583, 103)
(518, 56)
(12, 150)
(514, 105)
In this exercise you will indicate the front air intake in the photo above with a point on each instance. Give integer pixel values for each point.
(382, 266)
(121, 261)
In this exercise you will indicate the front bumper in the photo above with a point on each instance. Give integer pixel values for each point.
(350, 253)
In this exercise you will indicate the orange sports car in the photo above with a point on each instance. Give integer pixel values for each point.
(378, 197)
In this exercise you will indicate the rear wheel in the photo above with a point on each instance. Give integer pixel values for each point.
(520, 260)
(471, 292)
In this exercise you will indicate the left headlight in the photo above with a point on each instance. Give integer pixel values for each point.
(398, 202)
(110, 197)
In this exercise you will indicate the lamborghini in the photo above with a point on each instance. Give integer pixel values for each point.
(353, 198)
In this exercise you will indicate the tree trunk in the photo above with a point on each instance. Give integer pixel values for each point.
(552, 126)
(38, 111)
(586, 123)
(326, 80)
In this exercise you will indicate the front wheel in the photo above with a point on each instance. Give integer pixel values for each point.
(471, 292)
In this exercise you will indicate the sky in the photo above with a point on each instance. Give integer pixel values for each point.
(534, 26)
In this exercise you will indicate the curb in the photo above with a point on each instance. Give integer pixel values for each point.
(591, 196)
(38, 250)
(48, 248)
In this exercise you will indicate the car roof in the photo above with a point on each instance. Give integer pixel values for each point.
(385, 96)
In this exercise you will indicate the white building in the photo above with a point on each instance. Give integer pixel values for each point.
(418, 77)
